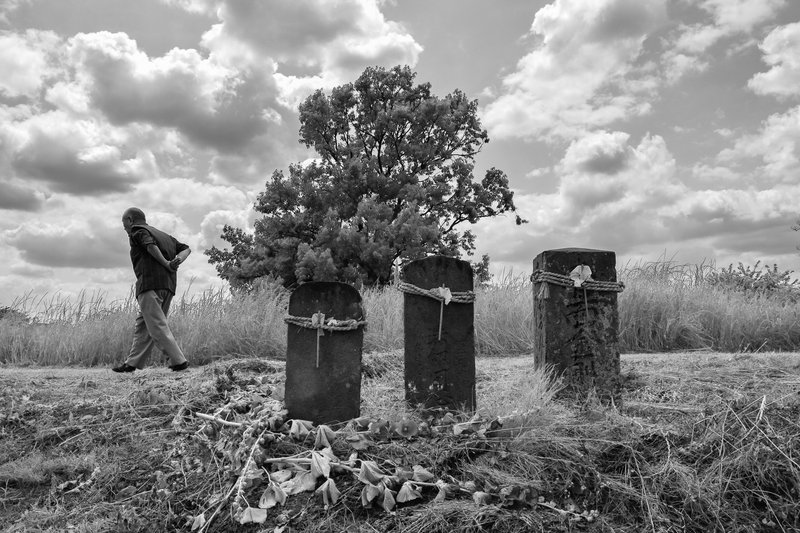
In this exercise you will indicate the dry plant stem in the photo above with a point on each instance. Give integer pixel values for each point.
(219, 420)
(307, 461)
(217, 510)
(237, 485)
(556, 509)
(644, 496)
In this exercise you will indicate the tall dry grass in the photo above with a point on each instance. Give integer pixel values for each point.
(665, 307)
(668, 306)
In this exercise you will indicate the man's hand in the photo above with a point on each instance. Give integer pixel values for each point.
(175, 263)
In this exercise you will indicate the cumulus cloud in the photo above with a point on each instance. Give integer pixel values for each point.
(776, 145)
(93, 113)
(76, 157)
(781, 49)
(29, 271)
(19, 197)
(635, 199)
(715, 177)
(582, 74)
(728, 19)
(742, 15)
(86, 243)
(736, 220)
(191, 199)
(313, 44)
(212, 104)
(25, 61)
(8, 6)
(612, 194)
(214, 221)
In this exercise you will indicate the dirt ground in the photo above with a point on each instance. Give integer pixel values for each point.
(85, 449)
(686, 378)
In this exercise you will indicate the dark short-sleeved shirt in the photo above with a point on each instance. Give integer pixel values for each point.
(150, 274)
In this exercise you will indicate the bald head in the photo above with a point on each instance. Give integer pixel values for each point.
(131, 217)
(135, 214)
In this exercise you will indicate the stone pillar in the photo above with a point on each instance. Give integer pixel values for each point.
(323, 364)
(439, 370)
(576, 329)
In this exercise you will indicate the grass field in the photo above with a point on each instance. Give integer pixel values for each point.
(665, 307)
(700, 442)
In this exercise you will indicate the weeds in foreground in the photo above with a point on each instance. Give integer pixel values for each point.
(196, 454)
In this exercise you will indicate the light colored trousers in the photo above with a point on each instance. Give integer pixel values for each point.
(151, 329)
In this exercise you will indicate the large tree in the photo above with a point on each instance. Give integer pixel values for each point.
(393, 179)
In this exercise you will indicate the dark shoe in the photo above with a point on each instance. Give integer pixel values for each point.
(180, 367)
(124, 367)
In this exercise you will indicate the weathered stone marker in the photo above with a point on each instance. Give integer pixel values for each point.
(576, 327)
(323, 352)
(439, 336)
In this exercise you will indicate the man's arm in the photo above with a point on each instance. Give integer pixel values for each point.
(153, 250)
(180, 257)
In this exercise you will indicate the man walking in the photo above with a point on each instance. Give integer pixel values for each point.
(155, 256)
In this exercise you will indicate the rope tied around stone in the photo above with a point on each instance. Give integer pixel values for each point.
(579, 278)
(317, 321)
(443, 294)
(545, 278)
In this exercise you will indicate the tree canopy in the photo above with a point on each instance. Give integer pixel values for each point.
(393, 179)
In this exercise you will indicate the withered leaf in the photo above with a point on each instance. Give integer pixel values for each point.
(482, 498)
(388, 501)
(299, 429)
(252, 515)
(320, 465)
(408, 492)
(421, 474)
(282, 475)
(325, 436)
(370, 472)
(273, 495)
(359, 442)
(369, 493)
(330, 494)
(199, 521)
(302, 482)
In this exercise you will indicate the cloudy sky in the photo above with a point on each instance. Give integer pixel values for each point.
(655, 128)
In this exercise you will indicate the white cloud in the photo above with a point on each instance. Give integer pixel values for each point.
(83, 242)
(632, 199)
(15, 195)
(742, 15)
(25, 61)
(210, 103)
(194, 6)
(612, 194)
(716, 177)
(728, 19)
(190, 198)
(781, 50)
(72, 156)
(584, 72)
(676, 65)
(214, 222)
(776, 146)
(8, 6)
(314, 44)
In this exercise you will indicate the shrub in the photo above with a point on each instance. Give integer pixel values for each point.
(756, 280)
(11, 315)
